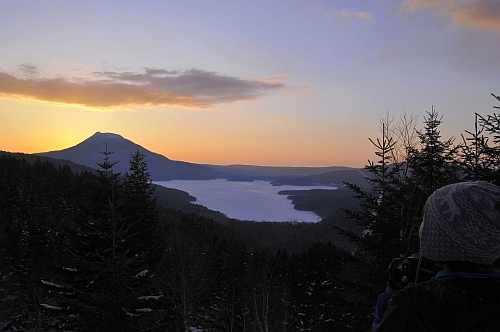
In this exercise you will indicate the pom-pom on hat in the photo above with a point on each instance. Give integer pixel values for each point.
(462, 223)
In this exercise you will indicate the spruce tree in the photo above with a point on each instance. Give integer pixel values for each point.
(140, 209)
(477, 158)
(107, 279)
(434, 164)
(385, 220)
(490, 146)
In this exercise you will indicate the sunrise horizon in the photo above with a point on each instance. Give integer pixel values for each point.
(281, 85)
(37, 152)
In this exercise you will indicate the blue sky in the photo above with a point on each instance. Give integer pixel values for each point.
(280, 83)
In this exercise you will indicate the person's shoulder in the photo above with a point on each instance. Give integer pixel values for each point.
(426, 287)
(448, 303)
(435, 294)
(452, 283)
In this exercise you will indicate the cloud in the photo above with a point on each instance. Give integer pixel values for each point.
(28, 70)
(479, 14)
(413, 5)
(153, 87)
(348, 15)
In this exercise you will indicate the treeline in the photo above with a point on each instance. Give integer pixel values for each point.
(95, 252)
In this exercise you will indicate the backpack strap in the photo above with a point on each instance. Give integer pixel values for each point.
(409, 313)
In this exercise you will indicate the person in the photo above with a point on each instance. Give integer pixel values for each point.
(401, 271)
(461, 231)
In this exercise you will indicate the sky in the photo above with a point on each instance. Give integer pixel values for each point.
(271, 83)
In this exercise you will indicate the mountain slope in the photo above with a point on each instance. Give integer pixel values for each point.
(161, 168)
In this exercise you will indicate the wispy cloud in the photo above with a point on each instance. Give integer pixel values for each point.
(152, 87)
(482, 14)
(479, 14)
(413, 5)
(28, 70)
(349, 15)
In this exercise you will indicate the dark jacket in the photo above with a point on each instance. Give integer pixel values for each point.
(448, 303)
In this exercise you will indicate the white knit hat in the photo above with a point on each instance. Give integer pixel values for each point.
(462, 223)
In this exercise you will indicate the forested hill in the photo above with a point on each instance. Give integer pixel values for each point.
(292, 237)
(333, 178)
(94, 252)
(31, 158)
(167, 197)
(272, 173)
(299, 176)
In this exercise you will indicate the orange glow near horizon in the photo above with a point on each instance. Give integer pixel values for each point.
(41, 127)
(35, 144)
(227, 83)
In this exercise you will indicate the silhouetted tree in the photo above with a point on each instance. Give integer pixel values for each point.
(385, 219)
(140, 209)
(434, 164)
(476, 156)
(486, 147)
(108, 276)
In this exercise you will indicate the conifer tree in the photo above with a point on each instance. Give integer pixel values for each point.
(140, 209)
(105, 283)
(385, 220)
(435, 164)
(476, 156)
(489, 146)
(390, 211)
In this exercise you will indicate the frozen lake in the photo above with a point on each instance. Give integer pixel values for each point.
(256, 201)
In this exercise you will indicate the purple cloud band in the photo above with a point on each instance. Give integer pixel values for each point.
(479, 14)
(153, 87)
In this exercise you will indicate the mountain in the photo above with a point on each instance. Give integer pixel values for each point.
(161, 168)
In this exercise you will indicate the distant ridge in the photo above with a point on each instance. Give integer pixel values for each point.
(161, 168)
(296, 176)
(334, 178)
(273, 172)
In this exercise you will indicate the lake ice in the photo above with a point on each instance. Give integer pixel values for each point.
(256, 201)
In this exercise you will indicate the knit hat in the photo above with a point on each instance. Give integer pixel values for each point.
(462, 223)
